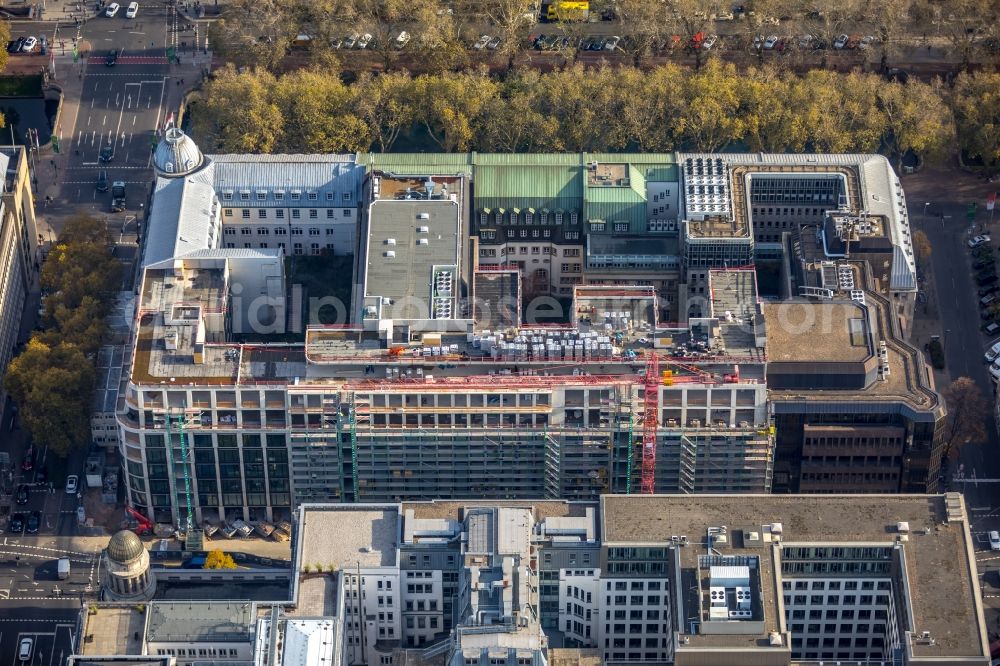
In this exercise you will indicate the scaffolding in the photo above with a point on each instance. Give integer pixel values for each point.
(650, 420)
(193, 538)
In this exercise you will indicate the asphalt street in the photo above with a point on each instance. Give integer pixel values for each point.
(52, 629)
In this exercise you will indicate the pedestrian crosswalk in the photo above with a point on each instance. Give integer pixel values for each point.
(130, 60)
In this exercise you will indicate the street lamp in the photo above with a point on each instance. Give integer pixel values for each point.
(926, 205)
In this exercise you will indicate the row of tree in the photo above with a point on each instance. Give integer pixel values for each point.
(260, 32)
(617, 109)
(52, 380)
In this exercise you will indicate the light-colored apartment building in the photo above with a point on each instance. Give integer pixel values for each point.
(19, 242)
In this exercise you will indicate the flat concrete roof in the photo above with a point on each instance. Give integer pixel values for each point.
(939, 555)
(349, 536)
(110, 630)
(816, 331)
(394, 226)
(200, 621)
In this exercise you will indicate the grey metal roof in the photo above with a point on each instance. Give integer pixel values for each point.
(200, 621)
(177, 154)
(181, 218)
(328, 176)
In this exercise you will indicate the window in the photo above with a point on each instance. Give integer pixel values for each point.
(263, 231)
(329, 196)
(296, 195)
(329, 213)
(281, 231)
(572, 235)
(346, 196)
(488, 235)
(559, 218)
(313, 231)
(279, 195)
(313, 196)
(246, 213)
(245, 195)
(280, 213)
(546, 233)
(229, 231)
(597, 226)
(347, 212)
(227, 196)
(571, 252)
(313, 213)
(314, 248)
(296, 213)
(296, 231)
(329, 246)
(262, 213)
(228, 212)
(297, 248)
(621, 226)
(246, 231)
(261, 196)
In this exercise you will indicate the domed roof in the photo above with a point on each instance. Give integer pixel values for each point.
(177, 154)
(125, 547)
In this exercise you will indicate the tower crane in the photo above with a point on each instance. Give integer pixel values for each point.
(650, 419)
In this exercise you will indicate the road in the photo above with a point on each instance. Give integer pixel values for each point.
(52, 628)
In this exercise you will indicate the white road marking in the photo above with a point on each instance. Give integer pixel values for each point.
(105, 121)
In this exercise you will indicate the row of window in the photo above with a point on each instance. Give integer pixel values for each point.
(279, 231)
(527, 217)
(314, 248)
(200, 652)
(835, 585)
(279, 195)
(279, 213)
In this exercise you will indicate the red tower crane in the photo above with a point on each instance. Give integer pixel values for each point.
(650, 419)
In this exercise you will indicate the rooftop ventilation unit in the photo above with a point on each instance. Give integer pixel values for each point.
(390, 254)
(390, 241)
(423, 230)
(423, 241)
(423, 216)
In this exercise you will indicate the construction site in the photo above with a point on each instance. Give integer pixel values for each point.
(444, 382)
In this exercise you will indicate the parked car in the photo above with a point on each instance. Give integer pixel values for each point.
(805, 41)
(709, 42)
(21, 496)
(16, 525)
(770, 42)
(364, 41)
(112, 58)
(866, 41)
(986, 300)
(991, 328)
(992, 353)
(351, 41)
(401, 40)
(43, 45)
(758, 42)
(132, 10)
(29, 459)
(112, 10)
(336, 43)
(33, 523)
(102, 181)
(493, 44)
(976, 241)
(481, 43)
(840, 42)
(984, 262)
(29, 44)
(987, 280)
(612, 43)
(994, 540)
(853, 42)
(25, 649)
(14, 45)
(72, 484)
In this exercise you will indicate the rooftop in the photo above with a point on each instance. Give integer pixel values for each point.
(200, 621)
(317, 181)
(836, 331)
(938, 553)
(111, 630)
(349, 535)
(406, 241)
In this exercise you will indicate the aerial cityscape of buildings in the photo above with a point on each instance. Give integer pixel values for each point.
(521, 327)
(682, 579)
